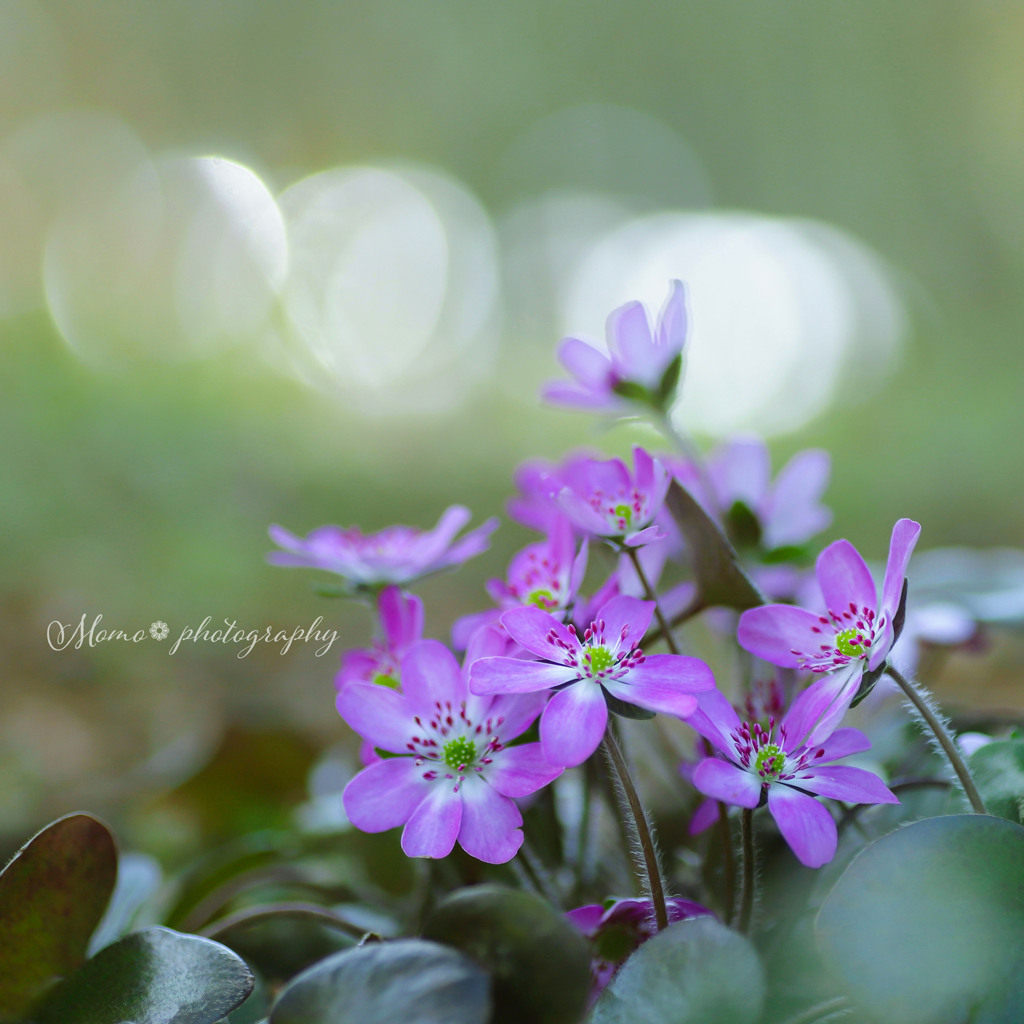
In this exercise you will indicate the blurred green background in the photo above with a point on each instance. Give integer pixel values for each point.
(193, 349)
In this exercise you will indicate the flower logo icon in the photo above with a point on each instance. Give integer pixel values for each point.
(158, 630)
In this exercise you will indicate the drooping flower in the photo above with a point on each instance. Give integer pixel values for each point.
(397, 554)
(786, 512)
(857, 626)
(641, 367)
(604, 499)
(453, 775)
(401, 619)
(545, 575)
(617, 928)
(788, 763)
(607, 660)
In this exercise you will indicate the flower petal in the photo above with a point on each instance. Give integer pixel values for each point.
(670, 336)
(843, 743)
(516, 675)
(490, 823)
(845, 579)
(780, 633)
(591, 367)
(805, 824)
(514, 713)
(631, 345)
(844, 782)
(434, 825)
(538, 631)
(665, 683)
(474, 543)
(378, 713)
(814, 715)
(519, 771)
(573, 723)
(625, 621)
(578, 396)
(741, 471)
(431, 675)
(401, 617)
(794, 512)
(901, 546)
(385, 794)
(724, 781)
(715, 719)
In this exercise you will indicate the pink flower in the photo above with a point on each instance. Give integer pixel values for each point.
(398, 554)
(788, 765)
(401, 619)
(618, 927)
(787, 511)
(606, 661)
(641, 367)
(605, 500)
(454, 775)
(857, 627)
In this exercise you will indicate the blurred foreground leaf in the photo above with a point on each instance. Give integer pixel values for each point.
(720, 580)
(998, 770)
(52, 897)
(405, 982)
(156, 976)
(926, 925)
(693, 972)
(539, 963)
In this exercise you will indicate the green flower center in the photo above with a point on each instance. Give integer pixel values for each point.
(850, 642)
(542, 599)
(382, 679)
(770, 761)
(599, 659)
(624, 512)
(459, 753)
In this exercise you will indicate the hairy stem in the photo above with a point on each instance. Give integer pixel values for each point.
(690, 453)
(829, 1010)
(643, 851)
(942, 736)
(746, 909)
(665, 629)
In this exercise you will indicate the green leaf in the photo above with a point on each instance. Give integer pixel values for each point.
(693, 972)
(406, 982)
(52, 897)
(670, 381)
(634, 392)
(539, 963)
(156, 976)
(720, 580)
(743, 525)
(998, 770)
(926, 925)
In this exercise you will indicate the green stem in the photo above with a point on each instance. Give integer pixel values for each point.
(665, 630)
(915, 696)
(644, 854)
(689, 452)
(746, 910)
(264, 911)
(729, 857)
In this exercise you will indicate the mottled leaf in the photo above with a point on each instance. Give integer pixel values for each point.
(539, 963)
(406, 982)
(52, 897)
(998, 770)
(156, 976)
(693, 972)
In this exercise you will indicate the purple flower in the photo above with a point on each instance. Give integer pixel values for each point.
(455, 776)
(607, 660)
(787, 764)
(398, 554)
(618, 927)
(546, 575)
(642, 367)
(604, 499)
(401, 619)
(857, 627)
(788, 511)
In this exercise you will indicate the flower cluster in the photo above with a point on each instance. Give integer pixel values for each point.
(454, 752)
